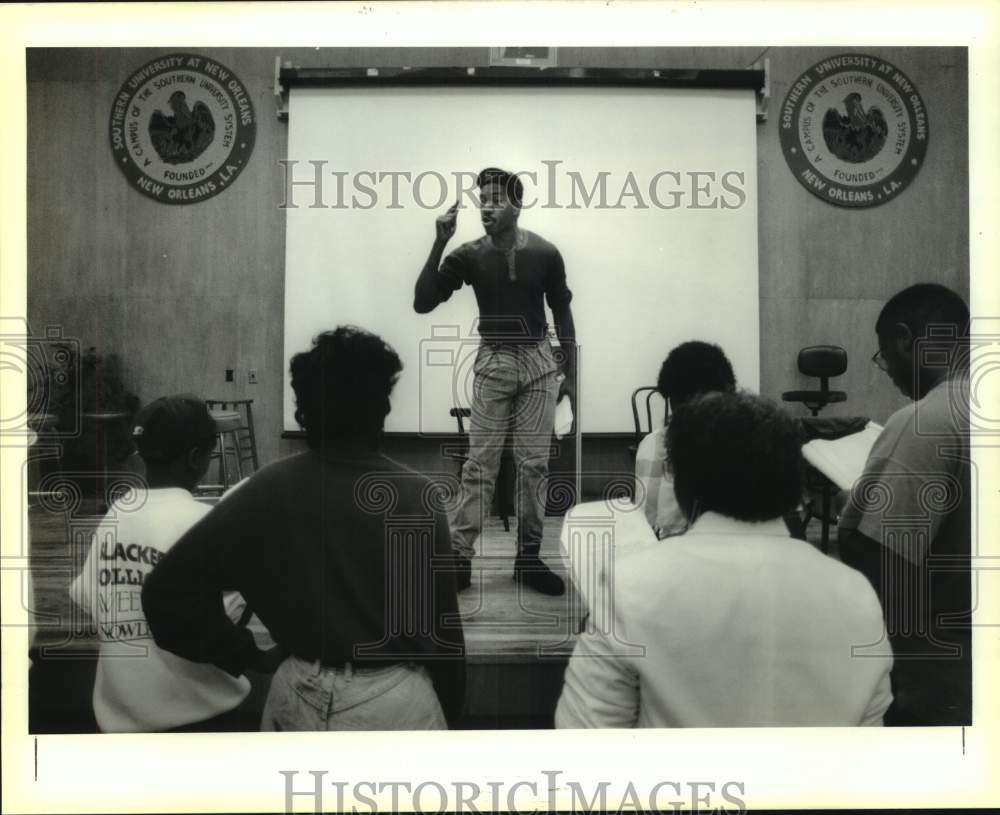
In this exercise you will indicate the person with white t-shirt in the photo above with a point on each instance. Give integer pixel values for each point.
(139, 687)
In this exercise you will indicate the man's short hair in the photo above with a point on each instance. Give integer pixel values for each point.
(692, 368)
(736, 454)
(171, 427)
(511, 183)
(921, 306)
(342, 385)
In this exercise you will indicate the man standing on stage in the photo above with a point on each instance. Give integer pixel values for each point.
(516, 376)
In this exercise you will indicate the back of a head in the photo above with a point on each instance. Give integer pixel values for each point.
(342, 386)
(693, 368)
(736, 454)
(924, 306)
(170, 427)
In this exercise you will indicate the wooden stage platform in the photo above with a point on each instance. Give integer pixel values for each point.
(518, 640)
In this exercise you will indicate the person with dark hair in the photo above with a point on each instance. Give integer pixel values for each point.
(734, 623)
(693, 368)
(513, 273)
(343, 555)
(907, 524)
(175, 436)
(342, 388)
(690, 369)
(740, 457)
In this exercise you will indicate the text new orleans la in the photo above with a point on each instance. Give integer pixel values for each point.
(192, 193)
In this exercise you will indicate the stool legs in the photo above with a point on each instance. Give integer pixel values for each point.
(237, 458)
(253, 437)
(223, 465)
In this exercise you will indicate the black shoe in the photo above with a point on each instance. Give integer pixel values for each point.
(463, 573)
(533, 573)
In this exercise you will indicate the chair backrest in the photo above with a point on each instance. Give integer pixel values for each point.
(642, 410)
(823, 362)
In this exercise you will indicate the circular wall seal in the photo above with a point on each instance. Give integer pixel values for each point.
(854, 130)
(182, 128)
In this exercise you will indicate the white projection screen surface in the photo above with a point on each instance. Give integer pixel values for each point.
(649, 194)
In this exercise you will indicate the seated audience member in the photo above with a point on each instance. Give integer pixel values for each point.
(340, 553)
(907, 525)
(690, 369)
(140, 687)
(734, 623)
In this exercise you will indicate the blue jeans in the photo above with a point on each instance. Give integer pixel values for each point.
(305, 696)
(514, 390)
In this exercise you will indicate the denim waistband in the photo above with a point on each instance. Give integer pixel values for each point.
(350, 668)
(329, 689)
(515, 343)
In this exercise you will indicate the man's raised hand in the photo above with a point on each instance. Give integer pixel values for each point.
(445, 224)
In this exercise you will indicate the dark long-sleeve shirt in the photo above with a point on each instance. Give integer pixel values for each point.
(342, 556)
(511, 287)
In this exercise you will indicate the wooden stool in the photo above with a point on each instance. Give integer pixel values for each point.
(227, 423)
(246, 437)
(233, 420)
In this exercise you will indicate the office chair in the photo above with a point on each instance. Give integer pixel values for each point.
(822, 362)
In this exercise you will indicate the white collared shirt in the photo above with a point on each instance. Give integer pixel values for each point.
(732, 624)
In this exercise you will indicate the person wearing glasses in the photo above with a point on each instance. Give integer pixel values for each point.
(907, 523)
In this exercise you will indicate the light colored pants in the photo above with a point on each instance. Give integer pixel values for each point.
(514, 390)
(305, 696)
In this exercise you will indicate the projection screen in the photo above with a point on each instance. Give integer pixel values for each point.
(649, 194)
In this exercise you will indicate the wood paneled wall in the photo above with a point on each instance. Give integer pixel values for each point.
(184, 292)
